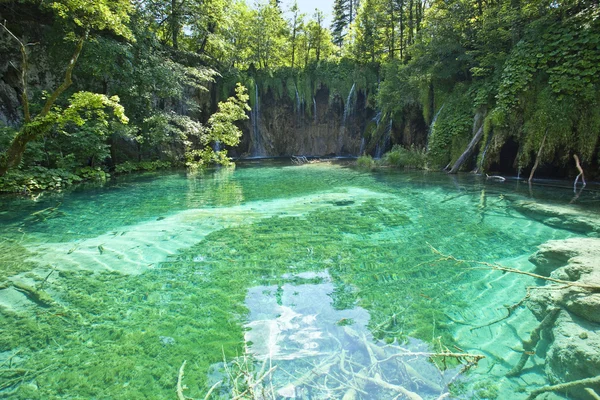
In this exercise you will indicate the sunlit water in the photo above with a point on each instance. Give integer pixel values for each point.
(310, 278)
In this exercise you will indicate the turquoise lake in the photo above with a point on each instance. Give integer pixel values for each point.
(315, 281)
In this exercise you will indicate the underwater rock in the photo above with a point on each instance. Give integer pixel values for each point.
(563, 217)
(578, 256)
(575, 351)
(166, 340)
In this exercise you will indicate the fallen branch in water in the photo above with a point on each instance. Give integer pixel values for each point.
(39, 297)
(510, 310)
(378, 381)
(578, 165)
(498, 267)
(530, 345)
(180, 386)
(212, 389)
(562, 386)
(495, 177)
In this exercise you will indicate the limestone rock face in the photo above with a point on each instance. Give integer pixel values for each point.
(575, 351)
(326, 125)
(580, 258)
(285, 129)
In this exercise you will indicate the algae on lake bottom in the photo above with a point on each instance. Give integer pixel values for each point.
(358, 242)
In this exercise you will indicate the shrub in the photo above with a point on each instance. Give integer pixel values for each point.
(129, 166)
(365, 162)
(35, 179)
(399, 156)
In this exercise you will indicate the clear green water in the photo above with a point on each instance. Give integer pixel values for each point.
(290, 264)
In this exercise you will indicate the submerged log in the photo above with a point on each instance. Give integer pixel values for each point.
(530, 345)
(39, 297)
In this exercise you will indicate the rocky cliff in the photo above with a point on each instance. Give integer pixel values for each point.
(326, 125)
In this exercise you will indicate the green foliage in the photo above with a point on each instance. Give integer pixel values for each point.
(36, 179)
(98, 15)
(365, 162)
(128, 166)
(400, 89)
(84, 106)
(452, 130)
(221, 129)
(93, 174)
(399, 156)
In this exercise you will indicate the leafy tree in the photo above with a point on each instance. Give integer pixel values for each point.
(367, 43)
(80, 18)
(221, 129)
(296, 25)
(341, 20)
(268, 35)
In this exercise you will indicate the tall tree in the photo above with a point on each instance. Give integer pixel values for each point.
(341, 20)
(318, 33)
(367, 43)
(296, 25)
(269, 35)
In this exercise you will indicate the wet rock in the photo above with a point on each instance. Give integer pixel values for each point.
(575, 351)
(564, 217)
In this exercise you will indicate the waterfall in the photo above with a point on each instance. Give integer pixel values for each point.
(362, 146)
(347, 108)
(487, 146)
(298, 106)
(432, 126)
(315, 110)
(258, 149)
(217, 146)
(384, 143)
(348, 104)
(377, 120)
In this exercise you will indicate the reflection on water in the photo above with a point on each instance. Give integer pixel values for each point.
(321, 352)
(321, 271)
(290, 322)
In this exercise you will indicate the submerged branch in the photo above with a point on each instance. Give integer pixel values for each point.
(530, 345)
(180, 386)
(562, 386)
(498, 267)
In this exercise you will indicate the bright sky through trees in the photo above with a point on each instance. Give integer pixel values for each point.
(308, 7)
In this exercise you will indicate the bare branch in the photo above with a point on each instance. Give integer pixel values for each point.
(562, 386)
(578, 165)
(180, 386)
(498, 267)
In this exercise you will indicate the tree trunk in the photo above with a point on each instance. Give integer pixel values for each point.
(402, 30)
(537, 159)
(471, 146)
(175, 24)
(12, 157)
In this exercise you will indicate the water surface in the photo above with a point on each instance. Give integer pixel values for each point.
(325, 272)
